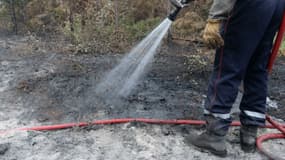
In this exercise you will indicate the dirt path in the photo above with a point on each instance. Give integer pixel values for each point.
(49, 88)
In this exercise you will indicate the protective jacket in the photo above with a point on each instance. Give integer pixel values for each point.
(221, 9)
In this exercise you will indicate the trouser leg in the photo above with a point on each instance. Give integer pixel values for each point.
(253, 104)
(242, 34)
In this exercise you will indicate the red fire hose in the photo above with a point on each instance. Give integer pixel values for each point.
(266, 137)
(277, 45)
(272, 59)
(260, 139)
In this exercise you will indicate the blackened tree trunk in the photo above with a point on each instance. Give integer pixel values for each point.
(14, 16)
(117, 15)
(71, 20)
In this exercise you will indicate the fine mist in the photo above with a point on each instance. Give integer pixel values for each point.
(121, 80)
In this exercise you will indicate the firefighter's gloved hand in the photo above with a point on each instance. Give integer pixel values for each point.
(211, 36)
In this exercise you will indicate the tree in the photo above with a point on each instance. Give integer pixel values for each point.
(16, 12)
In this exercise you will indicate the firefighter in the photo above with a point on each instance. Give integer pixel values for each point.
(242, 32)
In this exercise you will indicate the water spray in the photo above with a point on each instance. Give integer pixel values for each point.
(122, 79)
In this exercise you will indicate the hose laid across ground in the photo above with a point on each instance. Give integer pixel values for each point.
(272, 125)
(266, 137)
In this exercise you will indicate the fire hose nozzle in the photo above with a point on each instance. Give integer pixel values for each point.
(178, 4)
(173, 15)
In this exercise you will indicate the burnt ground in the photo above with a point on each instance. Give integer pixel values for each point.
(276, 88)
(40, 86)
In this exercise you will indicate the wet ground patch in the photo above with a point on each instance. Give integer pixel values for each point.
(49, 88)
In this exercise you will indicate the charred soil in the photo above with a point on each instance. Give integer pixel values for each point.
(44, 87)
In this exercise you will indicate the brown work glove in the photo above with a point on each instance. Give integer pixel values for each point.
(211, 34)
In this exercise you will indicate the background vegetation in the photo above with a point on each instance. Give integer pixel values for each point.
(97, 26)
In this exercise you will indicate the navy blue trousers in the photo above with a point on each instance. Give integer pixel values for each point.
(248, 35)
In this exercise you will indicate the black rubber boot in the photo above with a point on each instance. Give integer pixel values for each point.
(248, 136)
(212, 143)
(211, 140)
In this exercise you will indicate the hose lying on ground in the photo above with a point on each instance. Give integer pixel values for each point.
(272, 124)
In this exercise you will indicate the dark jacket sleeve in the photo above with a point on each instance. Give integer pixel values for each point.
(221, 9)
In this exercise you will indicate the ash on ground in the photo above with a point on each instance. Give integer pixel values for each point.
(40, 87)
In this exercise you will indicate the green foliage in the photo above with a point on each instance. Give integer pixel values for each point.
(92, 26)
(59, 14)
(76, 34)
(139, 29)
(5, 21)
